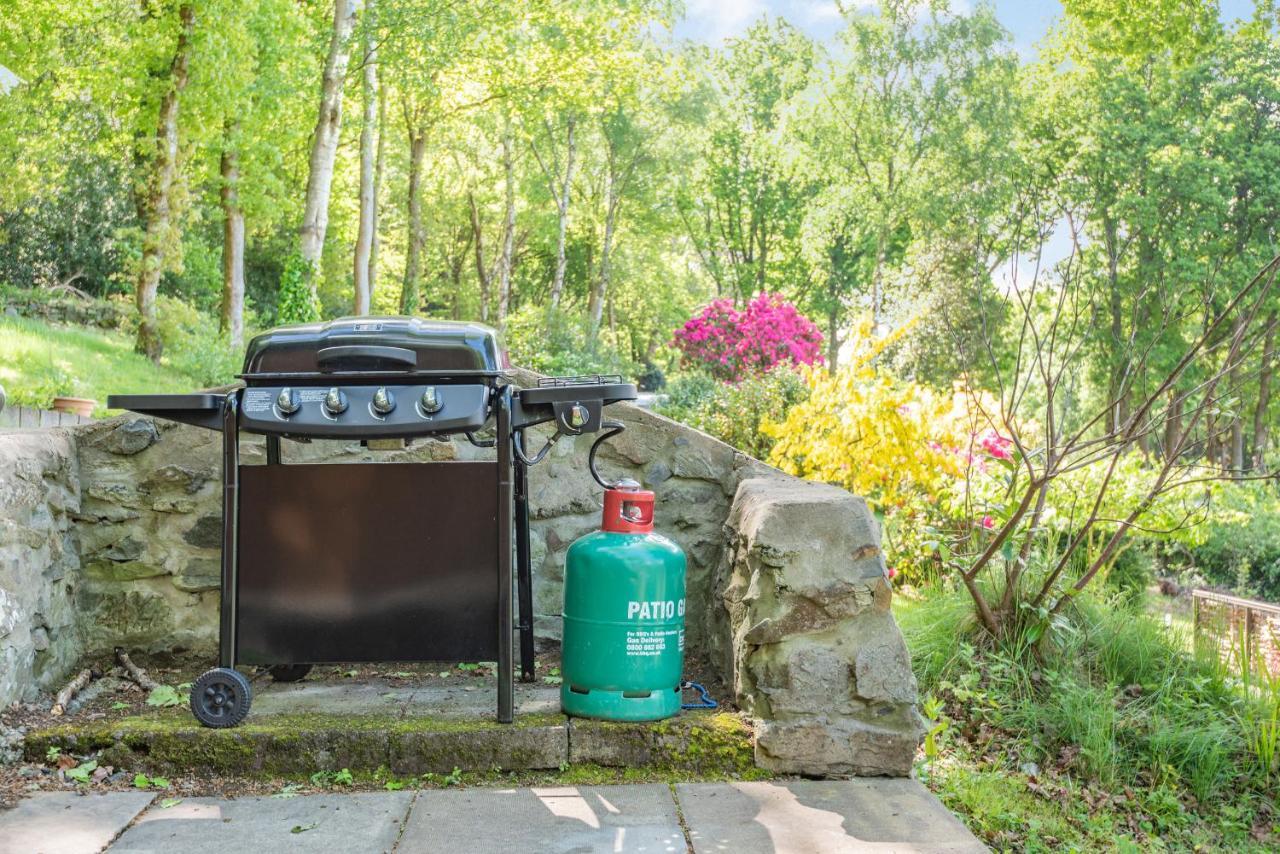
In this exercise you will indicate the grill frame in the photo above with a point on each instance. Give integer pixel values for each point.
(574, 406)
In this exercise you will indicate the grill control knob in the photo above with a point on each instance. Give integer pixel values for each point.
(383, 401)
(431, 402)
(335, 402)
(288, 402)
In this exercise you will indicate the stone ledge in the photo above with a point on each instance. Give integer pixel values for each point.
(287, 745)
(698, 742)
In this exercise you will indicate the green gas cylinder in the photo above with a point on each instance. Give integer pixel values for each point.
(623, 649)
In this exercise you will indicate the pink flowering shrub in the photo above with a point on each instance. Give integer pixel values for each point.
(731, 344)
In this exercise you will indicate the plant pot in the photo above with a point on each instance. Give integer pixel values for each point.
(82, 406)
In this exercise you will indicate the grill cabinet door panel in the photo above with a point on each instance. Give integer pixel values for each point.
(368, 562)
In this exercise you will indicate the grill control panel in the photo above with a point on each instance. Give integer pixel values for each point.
(364, 411)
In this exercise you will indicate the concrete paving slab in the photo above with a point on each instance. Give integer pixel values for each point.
(577, 819)
(359, 822)
(808, 816)
(462, 697)
(68, 822)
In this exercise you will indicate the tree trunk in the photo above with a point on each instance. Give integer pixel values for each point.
(1117, 414)
(1258, 460)
(456, 262)
(232, 243)
(833, 334)
(1173, 425)
(158, 202)
(595, 305)
(562, 209)
(877, 278)
(324, 142)
(410, 294)
(1236, 451)
(507, 259)
(482, 275)
(379, 161)
(368, 199)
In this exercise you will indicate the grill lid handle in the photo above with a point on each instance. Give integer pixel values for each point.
(334, 358)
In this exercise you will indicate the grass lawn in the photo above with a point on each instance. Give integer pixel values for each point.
(39, 361)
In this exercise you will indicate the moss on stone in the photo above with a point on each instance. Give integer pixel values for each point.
(699, 744)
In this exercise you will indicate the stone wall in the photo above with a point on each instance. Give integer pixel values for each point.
(151, 540)
(787, 592)
(39, 562)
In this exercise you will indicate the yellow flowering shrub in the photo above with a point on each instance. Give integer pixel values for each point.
(883, 438)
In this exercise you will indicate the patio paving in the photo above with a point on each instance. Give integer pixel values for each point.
(798, 817)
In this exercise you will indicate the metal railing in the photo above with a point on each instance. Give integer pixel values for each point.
(1233, 624)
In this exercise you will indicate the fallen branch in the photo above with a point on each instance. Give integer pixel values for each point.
(136, 673)
(75, 686)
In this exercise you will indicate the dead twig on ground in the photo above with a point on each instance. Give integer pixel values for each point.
(75, 686)
(134, 672)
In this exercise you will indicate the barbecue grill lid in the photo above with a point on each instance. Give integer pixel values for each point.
(359, 345)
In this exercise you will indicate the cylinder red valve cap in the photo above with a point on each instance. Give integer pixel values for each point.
(628, 509)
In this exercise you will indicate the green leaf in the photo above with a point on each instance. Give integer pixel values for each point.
(82, 771)
(303, 828)
(170, 802)
(117, 706)
(164, 696)
(141, 781)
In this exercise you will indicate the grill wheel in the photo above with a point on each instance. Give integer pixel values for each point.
(221, 697)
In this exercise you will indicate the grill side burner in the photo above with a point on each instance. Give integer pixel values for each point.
(376, 561)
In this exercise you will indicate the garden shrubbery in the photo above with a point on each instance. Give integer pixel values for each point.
(736, 413)
(560, 344)
(192, 343)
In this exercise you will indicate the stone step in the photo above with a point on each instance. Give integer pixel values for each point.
(283, 745)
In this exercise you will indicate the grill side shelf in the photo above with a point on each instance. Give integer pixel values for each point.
(200, 410)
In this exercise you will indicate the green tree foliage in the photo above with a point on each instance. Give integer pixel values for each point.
(567, 168)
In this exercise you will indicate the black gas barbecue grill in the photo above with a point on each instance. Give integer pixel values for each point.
(375, 561)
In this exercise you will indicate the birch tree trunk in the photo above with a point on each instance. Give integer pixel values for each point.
(368, 197)
(379, 161)
(232, 243)
(324, 142)
(595, 305)
(157, 204)
(411, 292)
(562, 211)
(506, 260)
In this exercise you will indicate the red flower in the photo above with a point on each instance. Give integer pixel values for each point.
(731, 343)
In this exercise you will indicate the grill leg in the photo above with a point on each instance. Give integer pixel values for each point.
(524, 572)
(506, 676)
(230, 522)
(273, 450)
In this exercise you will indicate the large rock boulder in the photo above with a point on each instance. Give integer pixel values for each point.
(806, 637)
